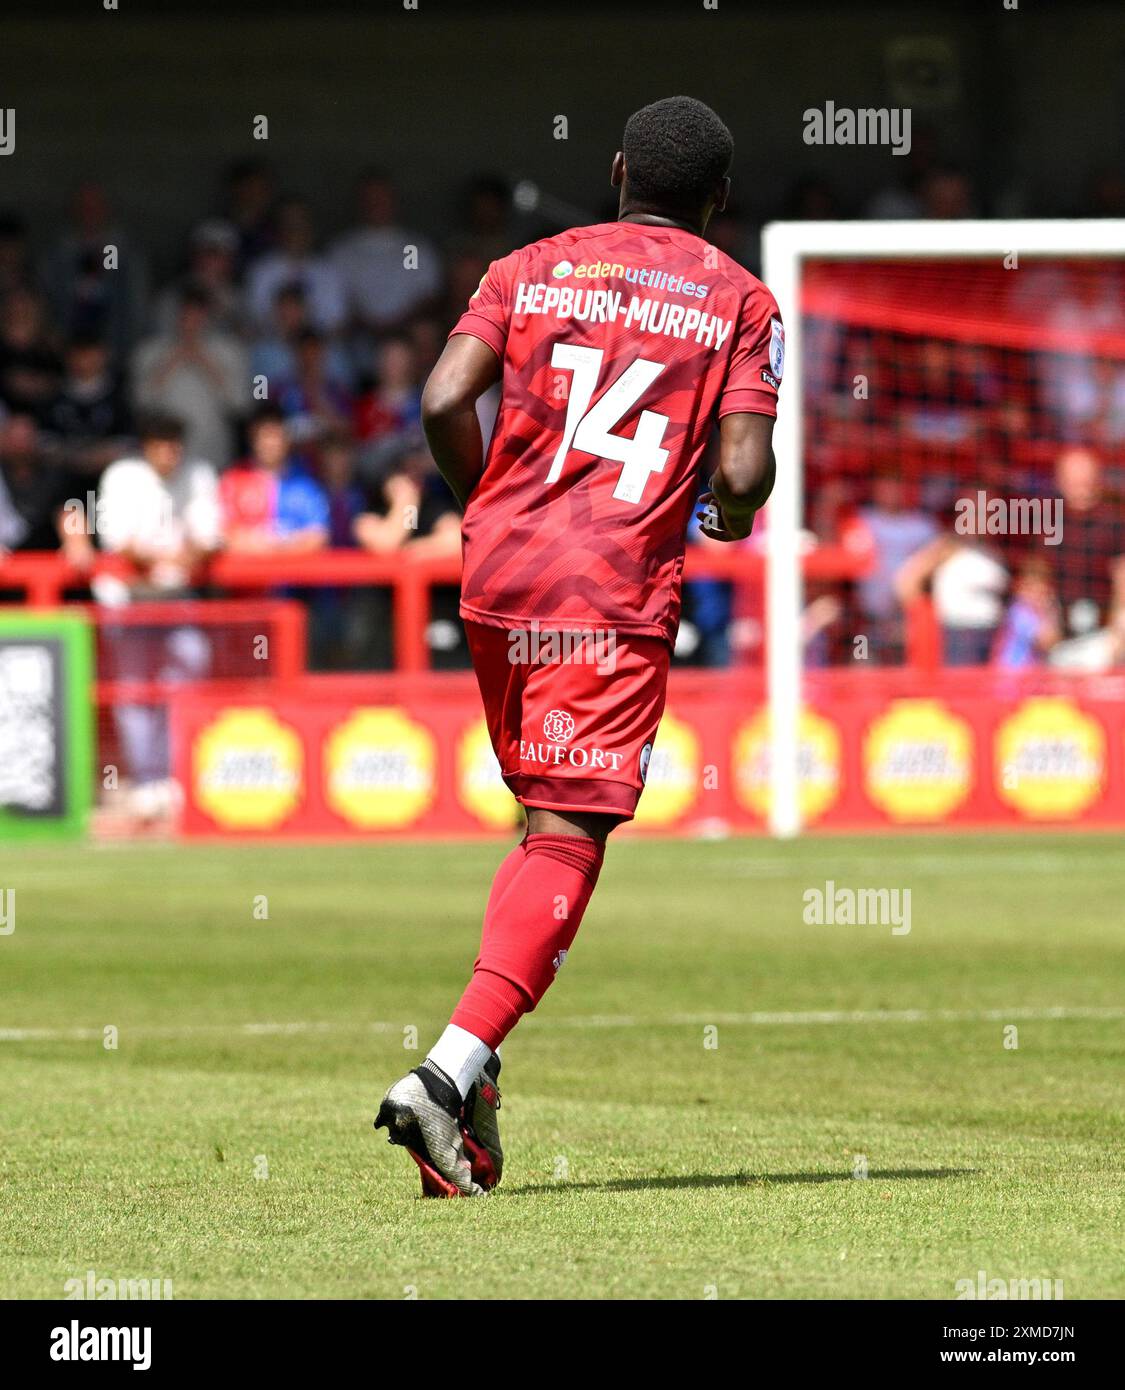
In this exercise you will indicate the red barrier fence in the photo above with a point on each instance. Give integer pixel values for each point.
(145, 651)
(44, 577)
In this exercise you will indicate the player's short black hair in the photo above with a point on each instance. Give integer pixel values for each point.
(676, 151)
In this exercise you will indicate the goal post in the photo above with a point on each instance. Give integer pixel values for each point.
(787, 250)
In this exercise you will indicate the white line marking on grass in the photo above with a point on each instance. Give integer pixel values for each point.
(823, 1016)
(936, 865)
(190, 1030)
(802, 1018)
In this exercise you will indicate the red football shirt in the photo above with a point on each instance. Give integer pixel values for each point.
(621, 345)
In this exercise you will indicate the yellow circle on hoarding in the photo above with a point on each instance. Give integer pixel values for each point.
(918, 761)
(248, 769)
(1049, 759)
(819, 764)
(671, 775)
(379, 769)
(480, 787)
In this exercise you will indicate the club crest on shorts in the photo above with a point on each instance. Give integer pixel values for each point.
(777, 347)
(558, 726)
(645, 759)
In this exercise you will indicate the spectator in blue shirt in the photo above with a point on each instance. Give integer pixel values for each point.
(272, 503)
(1032, 624)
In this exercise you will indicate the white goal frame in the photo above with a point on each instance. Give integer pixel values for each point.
(785, 247)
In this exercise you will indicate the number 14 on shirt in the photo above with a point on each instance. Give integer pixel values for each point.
(590, 429)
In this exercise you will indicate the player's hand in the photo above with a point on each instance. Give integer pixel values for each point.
(714, 524)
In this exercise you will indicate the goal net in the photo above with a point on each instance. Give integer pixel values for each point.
(954, 414)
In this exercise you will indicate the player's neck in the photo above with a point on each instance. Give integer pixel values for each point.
(656, 219)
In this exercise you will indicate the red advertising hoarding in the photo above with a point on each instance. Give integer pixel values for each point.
(339, 756)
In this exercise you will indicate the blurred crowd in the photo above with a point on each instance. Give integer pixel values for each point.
(275, 380)
(264, 397)
(1022, 595)
(977, 462)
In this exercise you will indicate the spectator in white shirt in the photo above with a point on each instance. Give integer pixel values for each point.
(159, 508)
(389, 273)
(969, 585)
(160, 511)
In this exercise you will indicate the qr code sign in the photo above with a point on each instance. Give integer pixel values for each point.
(28, 727)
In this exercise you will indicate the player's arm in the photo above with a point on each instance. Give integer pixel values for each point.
(464, 372)
(744, 479)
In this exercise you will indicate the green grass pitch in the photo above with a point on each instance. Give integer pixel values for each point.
(684, 1115)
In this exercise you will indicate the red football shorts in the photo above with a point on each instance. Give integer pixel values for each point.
(572, 717)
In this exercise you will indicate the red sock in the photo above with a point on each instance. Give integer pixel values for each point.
(501, 1005)
(507, 871)
(529, 926)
